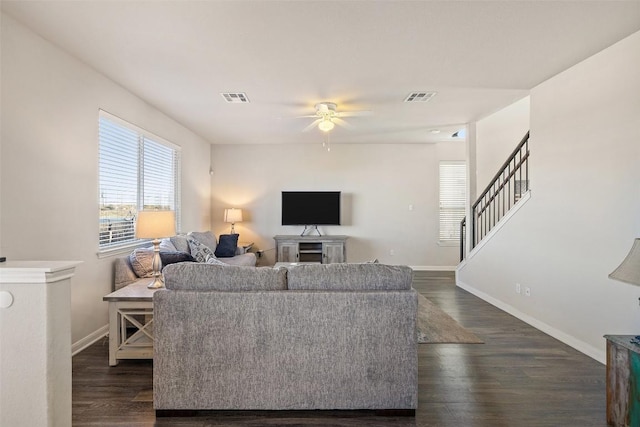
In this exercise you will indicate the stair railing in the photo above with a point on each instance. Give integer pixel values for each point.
(503, 192)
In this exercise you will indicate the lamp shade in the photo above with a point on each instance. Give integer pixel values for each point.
(629, 270)
(233, 215)
(155, 224)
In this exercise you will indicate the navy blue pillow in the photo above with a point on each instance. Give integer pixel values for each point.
(227, 245)
(170, 257)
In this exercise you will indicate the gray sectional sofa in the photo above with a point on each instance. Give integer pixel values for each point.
(138, 264)
(323, 336)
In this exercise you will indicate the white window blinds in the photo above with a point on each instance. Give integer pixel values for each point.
(137, 170)
(453, 190)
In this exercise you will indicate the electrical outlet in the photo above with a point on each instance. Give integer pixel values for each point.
(392, 252)
(410, 207)
(527, 291)
(518, 289)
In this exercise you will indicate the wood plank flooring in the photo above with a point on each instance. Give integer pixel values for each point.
(520, 377)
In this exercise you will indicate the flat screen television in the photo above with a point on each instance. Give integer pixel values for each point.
(310, 208)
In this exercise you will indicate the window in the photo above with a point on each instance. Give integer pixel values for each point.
(453, 190)
(137, 170)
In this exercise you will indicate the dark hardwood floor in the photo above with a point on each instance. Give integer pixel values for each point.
(519, 377)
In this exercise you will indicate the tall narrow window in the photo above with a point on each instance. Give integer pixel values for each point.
(138, 171)
(453, 190)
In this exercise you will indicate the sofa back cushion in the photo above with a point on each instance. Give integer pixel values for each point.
(211, 277)
(350, 277)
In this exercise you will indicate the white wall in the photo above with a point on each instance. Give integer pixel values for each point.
(49, 164)
(378, 183)
(496, 138)
(584, 211)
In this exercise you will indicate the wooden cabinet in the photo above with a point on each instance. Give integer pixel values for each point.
(287, 252)
(623, 381)
(321, 249)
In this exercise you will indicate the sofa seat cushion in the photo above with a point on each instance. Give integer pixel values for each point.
(350, 277)
(243, 260)
(210, 277)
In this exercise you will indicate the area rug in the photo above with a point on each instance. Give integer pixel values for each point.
(434, 326)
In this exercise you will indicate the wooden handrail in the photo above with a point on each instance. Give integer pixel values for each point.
(524, 140)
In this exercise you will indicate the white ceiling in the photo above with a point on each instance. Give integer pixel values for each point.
(363, 55)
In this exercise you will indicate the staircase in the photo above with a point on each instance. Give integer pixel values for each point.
(503, 192)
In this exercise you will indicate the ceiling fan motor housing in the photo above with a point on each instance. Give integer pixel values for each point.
(324, 109)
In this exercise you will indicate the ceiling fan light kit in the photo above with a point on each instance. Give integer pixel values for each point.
(326, 125)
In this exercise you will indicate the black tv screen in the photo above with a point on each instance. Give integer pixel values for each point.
(310, 208)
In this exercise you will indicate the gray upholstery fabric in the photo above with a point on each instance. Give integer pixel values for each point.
(206, 238)
(167, 246)
(350, 277)
(180, 243)
(285, 350)
(124, 274)
(210, 277)
(244, 260)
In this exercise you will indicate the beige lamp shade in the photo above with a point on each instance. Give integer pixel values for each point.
(233, 215)
(155, 224)
(629, 270)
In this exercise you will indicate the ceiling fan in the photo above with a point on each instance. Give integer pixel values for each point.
(327, 116)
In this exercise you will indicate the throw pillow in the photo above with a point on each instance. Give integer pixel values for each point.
(199, 251)
(216, 261)
(172, 257)
(206, 238)
(141, 260)
(227, 245)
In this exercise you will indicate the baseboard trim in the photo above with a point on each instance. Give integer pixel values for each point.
(433, 267)
(85, 342)
(571, 341)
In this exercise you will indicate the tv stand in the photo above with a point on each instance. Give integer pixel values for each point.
(308, 229)
(320, 249)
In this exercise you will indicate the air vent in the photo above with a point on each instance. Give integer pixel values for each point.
(419, 96)
(235, 97)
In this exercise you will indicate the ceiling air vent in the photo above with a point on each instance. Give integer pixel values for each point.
(419, 96)
(235, 97)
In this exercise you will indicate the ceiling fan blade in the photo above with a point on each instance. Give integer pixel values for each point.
(312, 125)
(342, 123)
(308, 116)
(354, 113)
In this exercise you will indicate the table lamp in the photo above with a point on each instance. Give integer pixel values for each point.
(629, 270)
(156, 225)
(233, 215)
